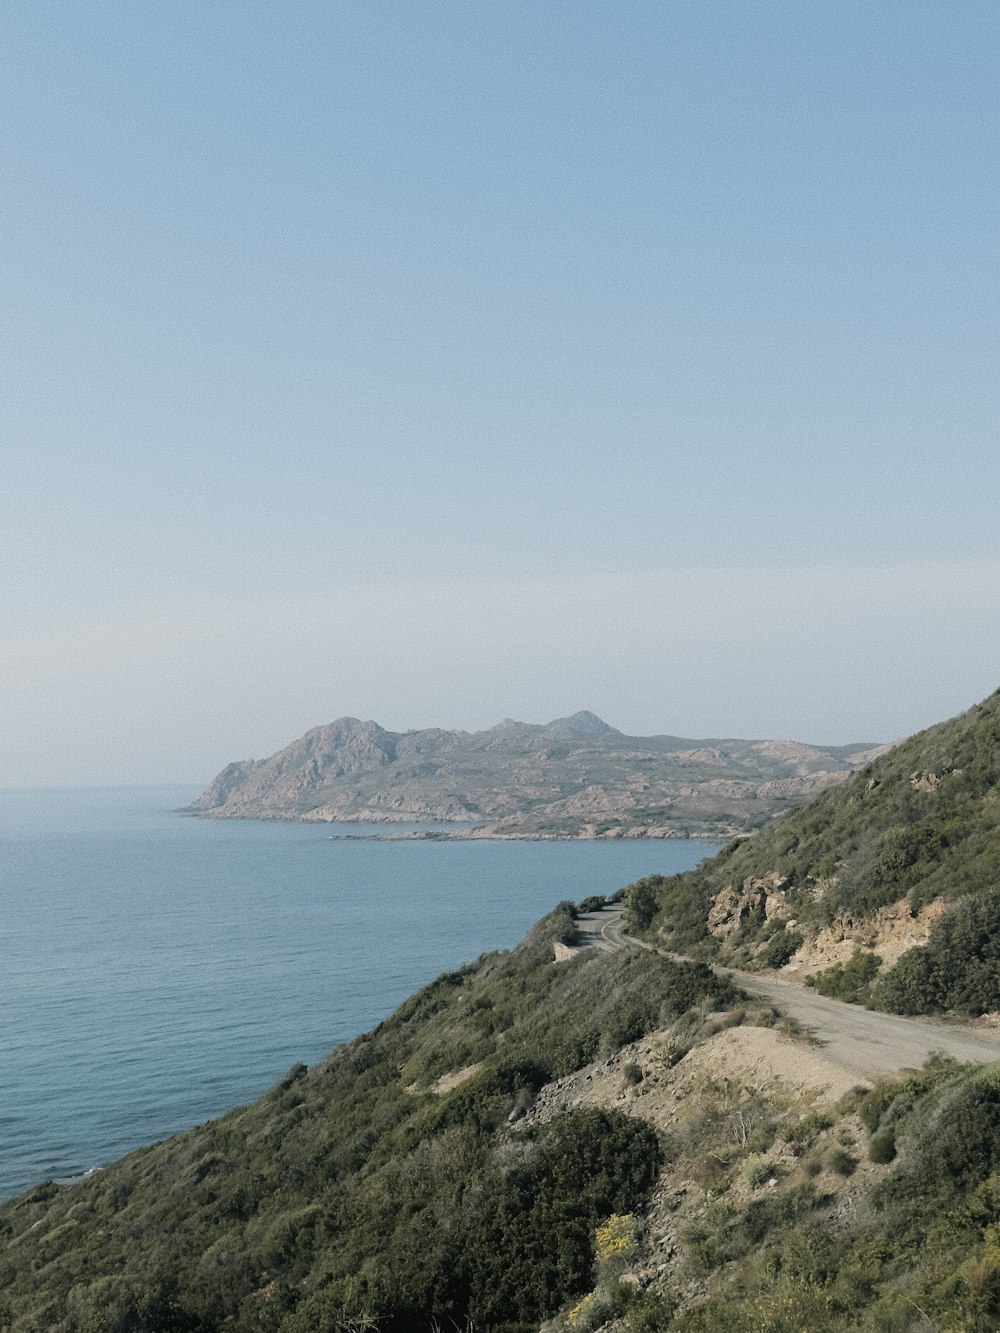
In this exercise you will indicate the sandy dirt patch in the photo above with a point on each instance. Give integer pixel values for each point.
(458, 1076)
(760, 1056)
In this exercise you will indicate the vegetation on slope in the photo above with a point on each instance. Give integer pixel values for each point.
(921, 822)
(399, 1186)
(431, 1174)
(363, 1188)
(878, 1215)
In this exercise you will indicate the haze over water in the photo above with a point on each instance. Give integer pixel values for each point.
(157, 970)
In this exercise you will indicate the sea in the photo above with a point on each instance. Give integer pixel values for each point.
(157, 970)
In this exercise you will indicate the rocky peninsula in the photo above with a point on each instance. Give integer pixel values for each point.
(574, 777)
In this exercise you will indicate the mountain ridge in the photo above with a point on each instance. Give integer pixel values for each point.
(575, 776)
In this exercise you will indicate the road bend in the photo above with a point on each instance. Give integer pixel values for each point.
(862, 1042)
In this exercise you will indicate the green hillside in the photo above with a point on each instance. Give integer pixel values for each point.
(363, 1188)
(921, 823)
(451, 1171)
(543, 1140)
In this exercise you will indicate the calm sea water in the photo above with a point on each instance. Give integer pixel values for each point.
(157, 970)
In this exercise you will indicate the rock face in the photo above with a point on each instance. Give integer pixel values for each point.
(573, 777)
(731, 906)
(888, 932)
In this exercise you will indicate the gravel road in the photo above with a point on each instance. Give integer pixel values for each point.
(861, 1042)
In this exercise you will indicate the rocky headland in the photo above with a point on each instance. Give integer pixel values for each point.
(575, 777)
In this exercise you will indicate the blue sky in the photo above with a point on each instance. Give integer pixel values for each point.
(437, 362)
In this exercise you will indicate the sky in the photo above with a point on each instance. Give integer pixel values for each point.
(442, 362)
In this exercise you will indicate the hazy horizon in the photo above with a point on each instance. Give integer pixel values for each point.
(439, 363)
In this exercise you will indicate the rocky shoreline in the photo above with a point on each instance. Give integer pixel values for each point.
(473, 835)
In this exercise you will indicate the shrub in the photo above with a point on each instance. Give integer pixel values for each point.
(843, 1162)
(535, 1240)
(876, 1103)
(959, 966)
(595, 903)
(652, 1312)
(849, 981)
(780, 948)
(913, 986)
(801, 1134)
(616, 1243)
(641, 905)
(882, 1148)
(755, 1171)
(961, 1144)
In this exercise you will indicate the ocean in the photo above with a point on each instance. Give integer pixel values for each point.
(157, 970)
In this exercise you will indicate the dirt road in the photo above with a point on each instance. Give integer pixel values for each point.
(864, 1042)
(861, 1042)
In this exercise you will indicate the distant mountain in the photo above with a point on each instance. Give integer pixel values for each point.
(573, 777)
(583, 723)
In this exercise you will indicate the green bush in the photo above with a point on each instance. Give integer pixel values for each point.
(641, 904)
(843, 1162)
(875, 1104)
(801, 1133)
(882, 1148)
(780, 948)
(723, 1233)
(756, 1171)
(652, 1312)
(958, 968)
(960, 1145)
(532, 1246)
(850, 981)
(595, 903)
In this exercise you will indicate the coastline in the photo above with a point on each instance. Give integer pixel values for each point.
(588, 831)
(474, 835)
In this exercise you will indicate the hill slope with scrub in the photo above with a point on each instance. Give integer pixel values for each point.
(567, 1139)
(396, 1181)
(610, 1142)
(886, 888)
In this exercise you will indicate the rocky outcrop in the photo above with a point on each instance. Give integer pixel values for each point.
(888, 932)
(732, 907)
(573, 777)
(344, 749)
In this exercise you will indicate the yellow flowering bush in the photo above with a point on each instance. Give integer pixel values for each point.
(616, 1244)
(579, 1316)
(616, 1239)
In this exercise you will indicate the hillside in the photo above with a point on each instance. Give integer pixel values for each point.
(395, 1180)
(610, 1142)
(574, 777)
(886, 888)
(565, 1139)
